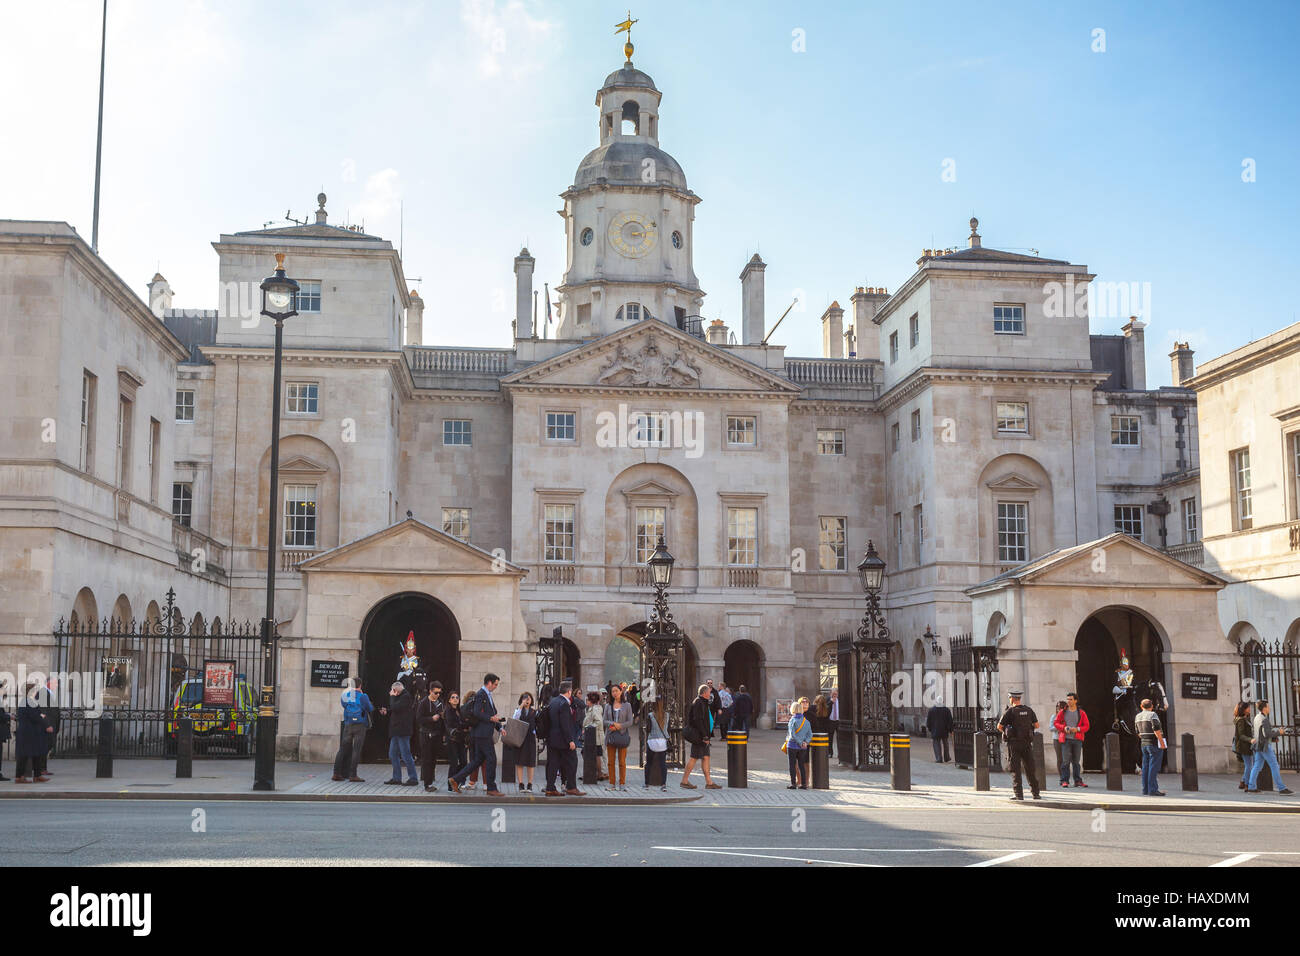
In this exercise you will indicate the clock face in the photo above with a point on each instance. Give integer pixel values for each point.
(278, 300)
(632, 234)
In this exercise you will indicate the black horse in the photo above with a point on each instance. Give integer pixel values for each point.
(1127, 706)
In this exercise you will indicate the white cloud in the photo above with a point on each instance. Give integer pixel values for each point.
(508, 36)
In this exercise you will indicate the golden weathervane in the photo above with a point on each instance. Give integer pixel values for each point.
(626, 27)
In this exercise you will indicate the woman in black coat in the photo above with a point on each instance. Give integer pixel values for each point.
(4, 732)
(526, 756)
(456, 731)
(33, 741)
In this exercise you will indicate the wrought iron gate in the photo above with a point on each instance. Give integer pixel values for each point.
(663, 666)
(975, 700)
(1273, 673)
(846, 737)
(152, 675)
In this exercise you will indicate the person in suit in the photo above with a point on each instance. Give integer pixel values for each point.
(938, 721)
(743, 707)
(481, 712)
(561, 744)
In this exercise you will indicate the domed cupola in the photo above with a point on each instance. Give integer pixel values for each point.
(629, 217)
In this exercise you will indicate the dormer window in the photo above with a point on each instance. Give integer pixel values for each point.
(632, 312)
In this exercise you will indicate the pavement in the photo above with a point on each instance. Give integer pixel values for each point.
(933, 786)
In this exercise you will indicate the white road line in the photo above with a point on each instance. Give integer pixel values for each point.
(1234, 860)
(764, 856)
(1009, 857)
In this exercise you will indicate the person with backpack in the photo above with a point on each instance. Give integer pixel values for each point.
(798, 738)
(1017, 726)
(480, 712)
(357, 711)
(1071, 724)
(430, 725)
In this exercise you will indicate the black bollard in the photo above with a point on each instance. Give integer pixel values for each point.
(508, 757)
(1114, 769)
(104, 762)
(590, 772)
(738, 760)
(1040, 760)
(1190, 780)
(820, 757)
(184, 748)
(900, 761)
(981, 761)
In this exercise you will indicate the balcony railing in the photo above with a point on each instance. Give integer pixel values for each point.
(192, 546)
(290, 559)
(842, 373)
(1193, 553)
(742, 577)
(559, 573)
(450, 359)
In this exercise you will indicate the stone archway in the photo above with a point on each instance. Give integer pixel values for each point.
(386, 626)
(743, 663)
(1098, 644)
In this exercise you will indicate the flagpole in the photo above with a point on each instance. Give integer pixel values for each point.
(99, 134)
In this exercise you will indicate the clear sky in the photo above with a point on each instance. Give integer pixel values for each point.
(829, 160)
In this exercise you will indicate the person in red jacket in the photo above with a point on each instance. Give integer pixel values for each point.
(1070, 725)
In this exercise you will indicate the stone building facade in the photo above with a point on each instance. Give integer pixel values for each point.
(967, 423)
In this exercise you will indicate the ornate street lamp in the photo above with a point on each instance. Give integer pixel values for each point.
(662, 661)
(874, 713)
(935, 647)
(279, 302)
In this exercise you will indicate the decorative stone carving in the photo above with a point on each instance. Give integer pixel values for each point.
(649, 367)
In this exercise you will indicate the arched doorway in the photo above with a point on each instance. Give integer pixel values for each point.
(437, 642)
(1098, 644)
(742, 663)
(569, 665)
(622, 660)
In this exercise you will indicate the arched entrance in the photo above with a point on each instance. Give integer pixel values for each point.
(742, 663)
(437, 642)
(622, 660)
(569, 665)
(1097, 645)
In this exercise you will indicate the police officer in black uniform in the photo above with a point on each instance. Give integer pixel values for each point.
(1017, 726)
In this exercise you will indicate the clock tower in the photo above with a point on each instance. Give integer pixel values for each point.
(629, 221)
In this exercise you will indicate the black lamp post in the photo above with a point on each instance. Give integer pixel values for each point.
(935, 647)
(874, 713)
(663, 653)
(279, 302)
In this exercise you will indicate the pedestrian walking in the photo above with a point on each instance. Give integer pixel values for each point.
(401, 726)
(480, 712)
(1151, 734)
(561, 744)
(1264, 733)
(1243, 731)
(431, 727)
(1017, 727)
(1070, 724)
(618, 735)
(727, 711)
(798, 737)
(456, 736)
(357, 717)
(33, 738)
(743, 708)
(939, 724)
(526, 757)
(698, 731)
(594, 719)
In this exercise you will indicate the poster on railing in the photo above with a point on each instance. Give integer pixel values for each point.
(783, 705)
(117, 681)
(218, 683)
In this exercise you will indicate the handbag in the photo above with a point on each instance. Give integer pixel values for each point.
(657, 742)
(785, 744)
(516, 732)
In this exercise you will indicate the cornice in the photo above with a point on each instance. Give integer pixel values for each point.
(826, 406)
(1260, 354)
(573, 192)
(921, 378)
